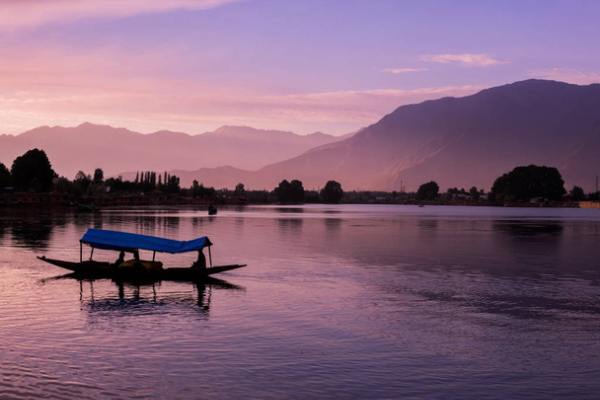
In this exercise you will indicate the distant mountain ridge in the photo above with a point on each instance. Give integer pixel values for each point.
(455, 141)
(462, 142)
(89, 146)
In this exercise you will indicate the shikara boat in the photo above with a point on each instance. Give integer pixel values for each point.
(125, 242)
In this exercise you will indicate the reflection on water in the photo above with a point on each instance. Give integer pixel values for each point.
(523, 306)
(534, 228)
(136, 298)
(133, 300)
(31, 230)
(337, 302)
(332, 225)
(291, 226)
(289, 210)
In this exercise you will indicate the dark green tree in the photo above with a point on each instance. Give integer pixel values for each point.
(82, 181)
(525, 183)
(4, 176)
(428, 191)
(173, 184)
(196, 188)
(296, 191)
(98, 176)
(32, 171)
(240, 189)
(64, 185)
(332, 192)
(282, 191)
(290, 192)
(577, 193)
(475, 194)
(199, 190)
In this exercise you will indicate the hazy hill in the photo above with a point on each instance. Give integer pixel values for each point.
(88, 146)
(457, 142)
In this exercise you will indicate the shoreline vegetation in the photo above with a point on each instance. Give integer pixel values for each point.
(31, 182)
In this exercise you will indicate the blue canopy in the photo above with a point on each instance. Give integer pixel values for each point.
(113, 240)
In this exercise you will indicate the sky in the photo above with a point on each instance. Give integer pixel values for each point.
(331, 65)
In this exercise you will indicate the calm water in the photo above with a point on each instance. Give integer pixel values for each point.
(337, 302)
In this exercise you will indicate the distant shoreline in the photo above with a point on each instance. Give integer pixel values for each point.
(55, 200)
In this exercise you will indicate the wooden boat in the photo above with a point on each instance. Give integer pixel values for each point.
(136, 268)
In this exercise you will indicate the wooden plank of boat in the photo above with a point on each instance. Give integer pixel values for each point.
(96, 269)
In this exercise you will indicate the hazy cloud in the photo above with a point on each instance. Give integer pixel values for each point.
(172, 105)
(398, 71)
(476, 60)
(56, 86)
(28, 13)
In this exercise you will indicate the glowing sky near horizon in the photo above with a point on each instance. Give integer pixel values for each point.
(305, 66)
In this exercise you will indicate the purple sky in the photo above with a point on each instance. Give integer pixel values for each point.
(333, 66)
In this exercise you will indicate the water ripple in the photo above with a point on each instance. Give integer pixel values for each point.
(338, 302)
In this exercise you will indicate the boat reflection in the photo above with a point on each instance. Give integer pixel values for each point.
(145, 297)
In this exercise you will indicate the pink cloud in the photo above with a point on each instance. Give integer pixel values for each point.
(476, 60)
(405, 70)
(56, 86)
(148, 104)
(28, 13)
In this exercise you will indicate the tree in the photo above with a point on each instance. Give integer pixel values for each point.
(32, 171)
(98, 176)
(173, 184)
(475, 194)
(452, 193)
(82, 181)
(4, 176)
(240, 189)
(63, 185)
(282, 191)
(577, 193)
(199, 190)
(290, 192)
(332, 192)
(196, 188)
(428, 191)
(296, 191)
(525, 183)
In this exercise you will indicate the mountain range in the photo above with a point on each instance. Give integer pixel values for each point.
(458, 142)
(115, 150)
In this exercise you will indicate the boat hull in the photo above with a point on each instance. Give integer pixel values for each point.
(98, 270)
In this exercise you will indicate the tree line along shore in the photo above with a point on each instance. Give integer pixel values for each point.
(31, 181)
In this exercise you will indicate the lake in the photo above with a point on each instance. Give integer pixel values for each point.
(350, 301)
